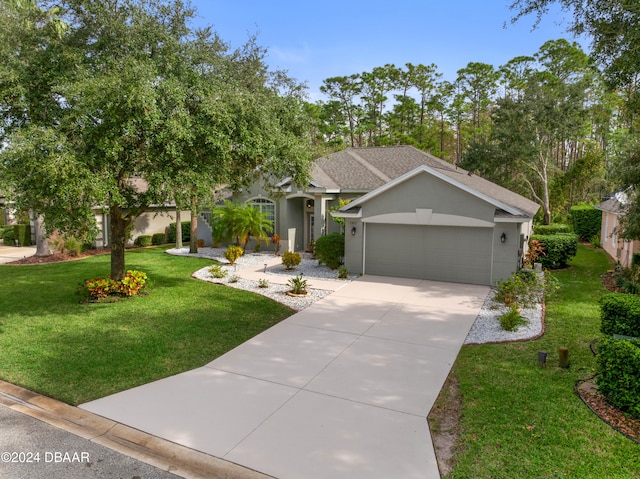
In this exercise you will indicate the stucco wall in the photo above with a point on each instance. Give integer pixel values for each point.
(425, 191)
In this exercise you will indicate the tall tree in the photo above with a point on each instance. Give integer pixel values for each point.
(612, 26)
(130, 103)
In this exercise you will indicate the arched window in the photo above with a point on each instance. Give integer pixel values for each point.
(266, 206)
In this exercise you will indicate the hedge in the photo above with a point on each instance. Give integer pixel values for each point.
(158, 238)
(587, 221)
(551, 229)
(329, 249)
(620, 314)
(8, 237)
(186, 232)
(618, 364)
(558, 249)
(143, 240)
(22, 232)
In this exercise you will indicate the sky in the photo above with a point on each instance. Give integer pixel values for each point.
(313, 41)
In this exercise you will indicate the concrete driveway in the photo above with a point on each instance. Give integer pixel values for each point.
(340, 389)
(12, 253)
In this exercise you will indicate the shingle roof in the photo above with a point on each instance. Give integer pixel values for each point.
(365, 169)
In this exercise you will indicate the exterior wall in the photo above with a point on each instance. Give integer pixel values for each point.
(505, 255)
(155, 220)
(620, 250)
(353, 244)
(425, 191)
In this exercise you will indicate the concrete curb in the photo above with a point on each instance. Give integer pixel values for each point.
(160, 453)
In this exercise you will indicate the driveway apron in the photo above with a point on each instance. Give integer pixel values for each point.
(340, 389)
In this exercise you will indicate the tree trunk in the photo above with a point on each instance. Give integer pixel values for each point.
(178, 227)
(193, 243)
(42, 244)
(118, 230)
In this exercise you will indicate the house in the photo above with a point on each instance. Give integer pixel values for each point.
(613, 209)
(411, 215)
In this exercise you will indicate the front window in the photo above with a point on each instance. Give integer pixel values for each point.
(266, 206)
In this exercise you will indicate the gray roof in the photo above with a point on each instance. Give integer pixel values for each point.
(612, 205)
(366, 169)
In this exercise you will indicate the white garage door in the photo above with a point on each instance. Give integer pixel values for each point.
(441, 253)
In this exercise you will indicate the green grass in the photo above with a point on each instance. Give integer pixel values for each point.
(52, 344)
(521, 421)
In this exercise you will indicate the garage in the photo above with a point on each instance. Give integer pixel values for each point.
(442, 253)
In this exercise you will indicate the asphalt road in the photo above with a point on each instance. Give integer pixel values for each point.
(32, 449)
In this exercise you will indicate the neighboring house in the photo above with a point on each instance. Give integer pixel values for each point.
(412, 215)
(613, 209)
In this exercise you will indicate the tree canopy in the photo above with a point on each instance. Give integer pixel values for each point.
(128, 105)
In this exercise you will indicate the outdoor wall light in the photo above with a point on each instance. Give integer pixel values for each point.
(309, 204)
(503, 238)
(353, 231)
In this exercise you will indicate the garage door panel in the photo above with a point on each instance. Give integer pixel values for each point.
(429, 252)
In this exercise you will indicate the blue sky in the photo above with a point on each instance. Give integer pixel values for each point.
(318, 40)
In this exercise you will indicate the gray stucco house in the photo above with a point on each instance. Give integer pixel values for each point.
(411, 215)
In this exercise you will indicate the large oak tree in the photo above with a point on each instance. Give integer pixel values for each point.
(131, 106)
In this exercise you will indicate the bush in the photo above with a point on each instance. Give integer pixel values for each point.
(620, 314)
(233, 253)
(22, 233)
(558, 249)
(8, 237)
(100, 288)
(618, 364)
(587, 221)
(143, 240)
(343, 272)
(524, 288)
(551, 229)
(218, 271)
(290, 260)
(298, 285)
(67, 245)
(511, 320)
(329, 250)
(186, 232)
(158, 239)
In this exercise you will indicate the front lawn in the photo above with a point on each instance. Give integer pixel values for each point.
(519, 420)
(53, 344)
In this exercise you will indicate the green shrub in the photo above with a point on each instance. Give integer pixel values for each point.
(143, 240)
(158, 239)
(186, 232)
(22, 232)
(298, 285)
(290, 260)
(232, 253)
(587, 221)
(558, 249)
(329, 250)
(8, 237)
(620, 314)
(618, 364)
(511, 320)
(263, 283)
(218, 271)
(343, 272)
(524, 288)
(551, 229)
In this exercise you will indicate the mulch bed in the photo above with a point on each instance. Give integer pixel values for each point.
(626, 425)
(58, 257)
